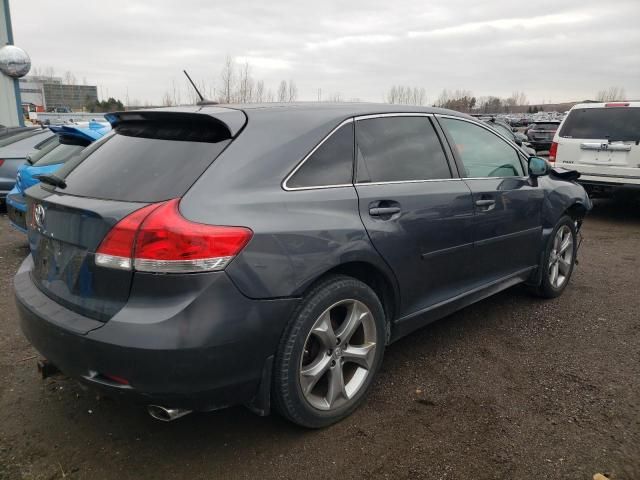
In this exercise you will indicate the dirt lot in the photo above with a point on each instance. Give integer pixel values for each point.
(511, 388)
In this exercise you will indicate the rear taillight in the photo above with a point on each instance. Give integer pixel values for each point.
(158, 239)
(616, 104)
(1, 161)
(553, 152)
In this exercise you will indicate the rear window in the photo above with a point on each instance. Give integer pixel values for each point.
(45, 148)
(613, 124)
(60, 154)
(138, 169)
(18, 136)
(545, 126)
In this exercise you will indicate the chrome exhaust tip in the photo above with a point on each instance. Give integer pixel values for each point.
(166, 414)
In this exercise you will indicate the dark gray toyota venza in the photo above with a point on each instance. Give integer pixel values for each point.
(201, 257)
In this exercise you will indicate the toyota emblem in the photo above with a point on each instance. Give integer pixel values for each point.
(38, 215)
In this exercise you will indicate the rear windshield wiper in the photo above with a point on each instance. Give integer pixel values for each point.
(52, 180)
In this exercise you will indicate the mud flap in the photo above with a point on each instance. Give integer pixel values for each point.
(261, 403)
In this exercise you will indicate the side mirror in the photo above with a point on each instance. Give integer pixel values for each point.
(538, 167)
(518, 141)
(514, 129)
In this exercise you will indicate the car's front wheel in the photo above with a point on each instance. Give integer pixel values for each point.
(559, 258)
(330, 352)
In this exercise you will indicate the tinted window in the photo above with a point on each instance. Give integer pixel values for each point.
(135, 169)
(483, 154)
(51, 143)
(399, 148)
(60, 154)
(504, 130)
(615, 124)
(545, 126)
(18, 137)
(330, 164)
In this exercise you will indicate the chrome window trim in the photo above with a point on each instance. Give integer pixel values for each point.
(364, 184)
(393, 114)
(404, 114)
(302, 162)
(345, 122)
(515, 147)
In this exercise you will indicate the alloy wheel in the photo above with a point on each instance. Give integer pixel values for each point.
(338, 355)
(561, 257)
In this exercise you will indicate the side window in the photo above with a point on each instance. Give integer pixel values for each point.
(330, 164)
(399, 148)
(483, 154)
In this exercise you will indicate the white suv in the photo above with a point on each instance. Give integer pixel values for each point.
(600, 140)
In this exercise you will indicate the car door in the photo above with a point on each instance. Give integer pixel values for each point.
(508, 204)
(417, 211)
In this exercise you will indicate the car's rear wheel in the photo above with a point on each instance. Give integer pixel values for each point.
(329, 353)
(559, 258)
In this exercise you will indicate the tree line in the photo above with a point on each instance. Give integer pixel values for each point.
(466, 101)
(237, 84)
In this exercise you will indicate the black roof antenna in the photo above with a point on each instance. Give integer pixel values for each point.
(202, 99)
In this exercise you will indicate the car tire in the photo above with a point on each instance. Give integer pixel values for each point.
(558, 259)
(315, 383)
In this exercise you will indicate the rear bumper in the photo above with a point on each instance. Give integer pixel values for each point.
(609, 180)
(201, 354)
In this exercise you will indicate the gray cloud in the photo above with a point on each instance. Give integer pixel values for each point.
(550, 49)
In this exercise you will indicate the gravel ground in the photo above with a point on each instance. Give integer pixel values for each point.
(510, 388)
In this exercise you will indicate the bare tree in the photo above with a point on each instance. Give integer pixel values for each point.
(49, 73)
(69, 78)
(167, 99)
(269, 97)
(259, 94)
(283, 91)
(228, 80)
(293, 91)
(407, 95)
(245, 91)
(611, 94)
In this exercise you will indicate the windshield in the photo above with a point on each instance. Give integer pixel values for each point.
(613, 124)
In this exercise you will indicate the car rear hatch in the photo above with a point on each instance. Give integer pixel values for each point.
(601, 142)
(153, 156)
(543, 132)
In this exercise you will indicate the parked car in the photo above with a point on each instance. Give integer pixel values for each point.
(540, 134)
(10, 131)
(69, 141)
(600, 140)
(518, 138)
(219, 255)
(13, 152)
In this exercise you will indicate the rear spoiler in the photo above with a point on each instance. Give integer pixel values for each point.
(174, 125)
(76, 135)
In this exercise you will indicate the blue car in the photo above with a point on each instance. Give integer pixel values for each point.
(70, 141)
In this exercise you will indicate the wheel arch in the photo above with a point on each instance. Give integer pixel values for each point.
(382, 282)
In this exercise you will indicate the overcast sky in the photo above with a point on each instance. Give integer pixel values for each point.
(553, 50)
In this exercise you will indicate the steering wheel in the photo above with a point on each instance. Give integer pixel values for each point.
(506, 165)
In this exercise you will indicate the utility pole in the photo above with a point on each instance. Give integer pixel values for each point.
(14, 64)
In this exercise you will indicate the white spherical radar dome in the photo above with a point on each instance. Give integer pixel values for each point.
(14, 61)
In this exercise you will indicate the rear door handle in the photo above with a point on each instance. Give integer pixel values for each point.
(382, 211)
